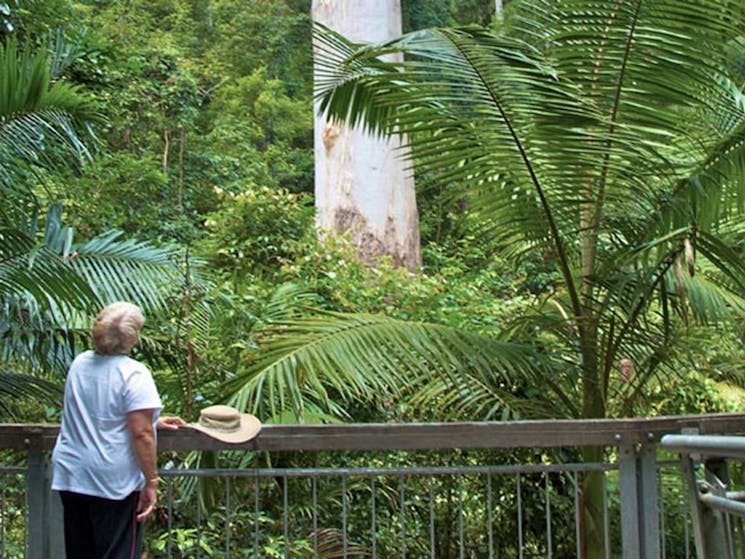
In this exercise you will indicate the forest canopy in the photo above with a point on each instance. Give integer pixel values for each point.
(167, 158)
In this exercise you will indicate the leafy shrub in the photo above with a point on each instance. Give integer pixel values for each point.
(253, 232)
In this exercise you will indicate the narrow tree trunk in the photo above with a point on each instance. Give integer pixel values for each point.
(362, 186)
(592, 534)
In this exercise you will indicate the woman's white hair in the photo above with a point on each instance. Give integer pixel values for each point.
(116, 329)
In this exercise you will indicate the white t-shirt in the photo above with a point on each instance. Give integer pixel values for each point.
(94, 454)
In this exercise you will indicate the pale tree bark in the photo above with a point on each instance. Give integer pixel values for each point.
(497, 6)
(362, 185)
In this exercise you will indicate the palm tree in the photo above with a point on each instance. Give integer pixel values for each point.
(48, 284)
(606, 136)
(44, 124)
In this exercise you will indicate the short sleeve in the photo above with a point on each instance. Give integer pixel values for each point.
(140, 392)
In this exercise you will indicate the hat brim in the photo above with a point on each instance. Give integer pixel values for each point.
(249, 429)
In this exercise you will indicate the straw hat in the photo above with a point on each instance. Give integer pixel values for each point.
(227, 424)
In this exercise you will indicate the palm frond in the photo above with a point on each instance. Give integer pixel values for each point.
(330, 357)
(15, 386)
(38, 275)
(41, 123)
(122, 269)
(286, 301)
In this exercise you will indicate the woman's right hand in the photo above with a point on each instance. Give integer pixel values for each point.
(146, 502)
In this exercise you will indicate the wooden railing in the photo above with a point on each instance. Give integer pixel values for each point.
(421, 436)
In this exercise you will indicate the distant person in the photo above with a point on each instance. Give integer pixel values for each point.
(104, 462)
(626, 370)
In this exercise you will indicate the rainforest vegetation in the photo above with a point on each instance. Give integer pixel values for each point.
(579, 205)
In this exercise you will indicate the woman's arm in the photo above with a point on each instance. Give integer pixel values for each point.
(140, 424)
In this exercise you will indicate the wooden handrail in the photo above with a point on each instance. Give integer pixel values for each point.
(420, 436)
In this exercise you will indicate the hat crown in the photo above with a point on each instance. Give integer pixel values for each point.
(220, 418)
(219, 412)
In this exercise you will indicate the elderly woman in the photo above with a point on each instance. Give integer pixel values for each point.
(104, 461)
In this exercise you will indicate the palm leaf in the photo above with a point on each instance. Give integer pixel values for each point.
(333, 356)
(121, 269)
(38, 275)
(15, 386)
(41, 124)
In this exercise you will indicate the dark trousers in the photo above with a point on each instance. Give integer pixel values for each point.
(98, 528)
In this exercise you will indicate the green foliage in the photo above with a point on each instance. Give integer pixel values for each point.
(191, 114)
(278, 32)
(207, 141)
(692, 393)
(608, 138)
(547, 152)
(262, 135)
(43, 124)
(188, 540)
(34, 21)
(122, 191)
(50, 285)
(422, 14)
(253, 231)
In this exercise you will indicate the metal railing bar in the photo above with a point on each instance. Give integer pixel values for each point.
(314, 492)
(169, 523)
(577, 515)
(490, 514)
(257, 490)
(35, 483)
(373, 524)
(736, 495)
(344, 515)
(606, 518)
(519, 515)
(461, 541)
(3, 512)
(686, 523)
(199, 519)
(725, 446)
(285, 517)
(549, 546)
(227, 517)
(412, 471)
(660, 494)
(723, 504)
(431, 519)
(13, 470)
(728, 531)
(402, 513)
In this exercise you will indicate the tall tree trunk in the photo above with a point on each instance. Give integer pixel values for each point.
(592, 535)
(362, 186)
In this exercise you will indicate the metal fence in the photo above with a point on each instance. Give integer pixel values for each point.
(446, 491)
(715, 491)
